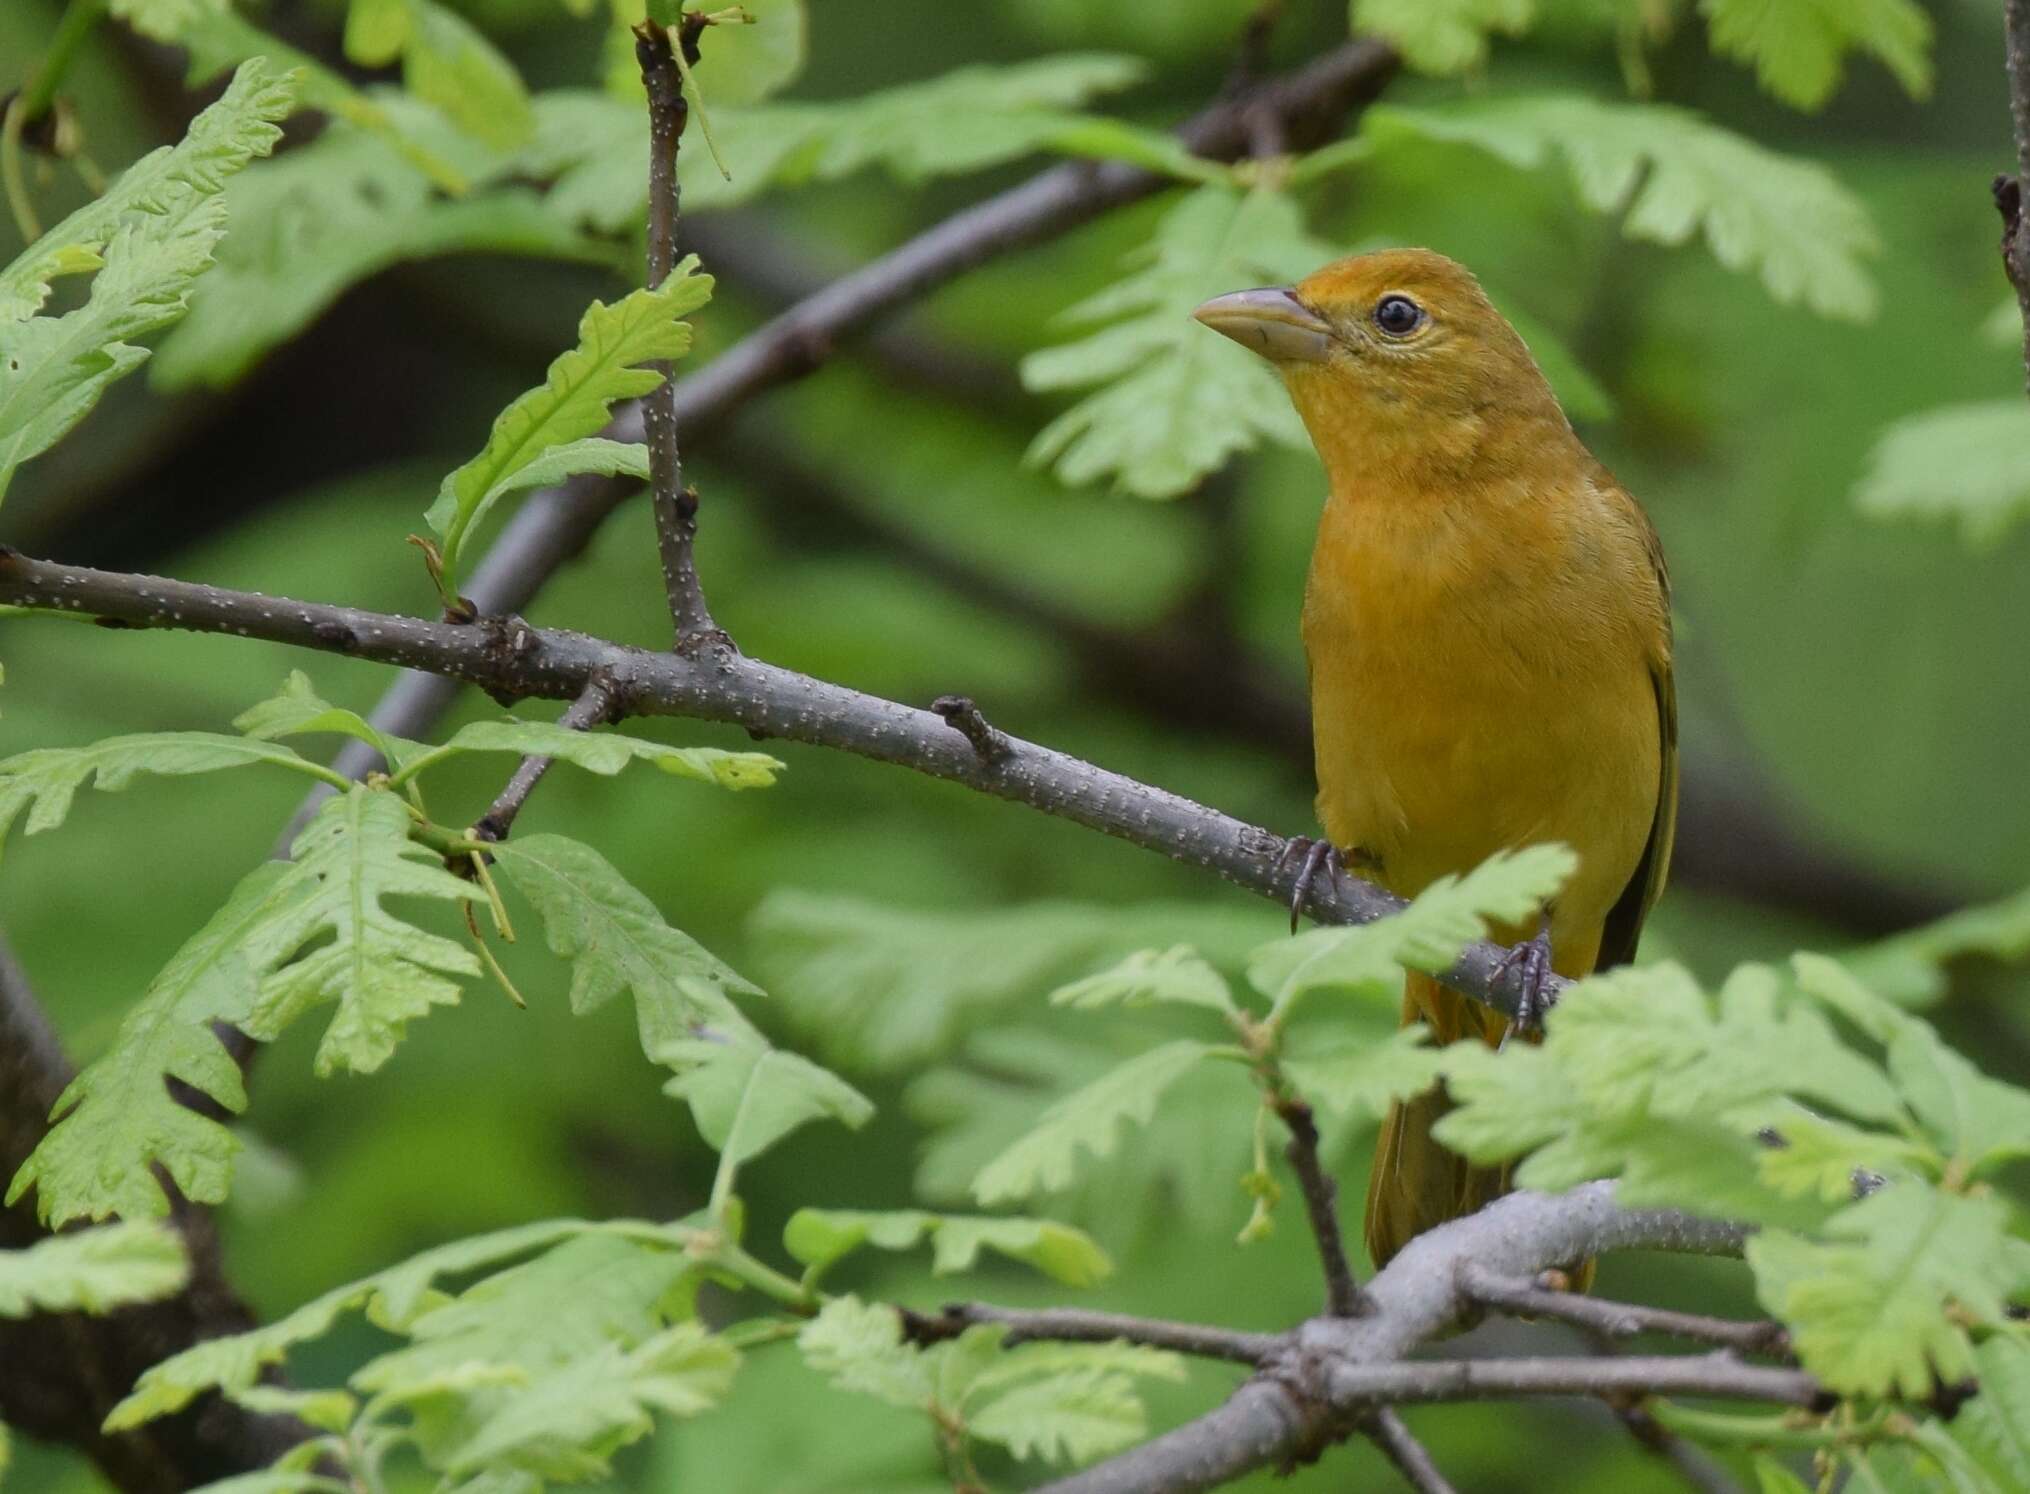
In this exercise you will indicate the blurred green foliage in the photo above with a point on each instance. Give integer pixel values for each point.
(911, 931)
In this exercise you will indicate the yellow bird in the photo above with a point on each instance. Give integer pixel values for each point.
(1487, 623)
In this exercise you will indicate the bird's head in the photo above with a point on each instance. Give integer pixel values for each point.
(1396, 359)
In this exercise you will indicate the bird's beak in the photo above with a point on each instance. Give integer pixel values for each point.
(1271, 322)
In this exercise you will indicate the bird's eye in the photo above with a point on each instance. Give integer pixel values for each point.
(1398, 316)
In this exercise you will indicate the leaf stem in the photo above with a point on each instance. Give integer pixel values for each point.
(79, 17)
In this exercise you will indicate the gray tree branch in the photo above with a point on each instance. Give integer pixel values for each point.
(512, 660)
(1335, 1370)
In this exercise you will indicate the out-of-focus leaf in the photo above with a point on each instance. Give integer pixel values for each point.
(1969, 463)
(1176, 400)
(745, 64)
(747, 1094)
(1442, 36)
(607, 752)
(1176, 974)
(573, 400)
(1087, 1120)
(324, 217)
(93, 1270)
(820, 1237)
(1798, 47)
(1670, 175)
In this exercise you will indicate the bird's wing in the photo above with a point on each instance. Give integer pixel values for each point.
(1625, 918)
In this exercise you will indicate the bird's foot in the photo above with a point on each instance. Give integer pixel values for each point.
(1316, 854)
(1530, 966)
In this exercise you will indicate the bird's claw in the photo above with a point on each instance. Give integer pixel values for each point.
(1530, 965)
(1316, 854)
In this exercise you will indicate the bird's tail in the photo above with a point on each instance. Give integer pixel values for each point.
(1418, 1184)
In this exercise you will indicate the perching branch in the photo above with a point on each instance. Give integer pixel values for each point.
(1075, 1325)
(676, 510)
(511, 660)
(1409, 1455)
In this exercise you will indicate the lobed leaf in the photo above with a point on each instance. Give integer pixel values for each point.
(117, 1122)
(1177, 974)
(1798, 47)
(574, 398)
(300, 711)
(1175, 401)
(1088, 1119)
(617, 941)
(380, 970)
(1670, 174)
(607, 752)
(45, 780)
(819, 1238)
(1966, 463)
(93, 1270)
(1368, 1079)
(147, 241)
(746, 1094)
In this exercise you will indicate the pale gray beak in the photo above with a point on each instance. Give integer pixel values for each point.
(1271, 322)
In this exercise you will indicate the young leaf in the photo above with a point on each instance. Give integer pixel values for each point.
(332, 213)
(1867, 1309)
(1366, 1080)
(1995, 1426)
(607, 752)
(1442, 36)
(448, 62)
(1175, 402)
(885, 988)
(745, 64)
(218, 38)
(300, 711)
(573, 400)
(233, 1364)
(221, 140)
(617, 941)
(1670, 174)
(45, 780)
(93, 1270)
(747, 1095)
(1176, 974)
(567, 1421)
(57, 367)
(1509, 887)
(821, 1237)
(117, 1121)
(379, 969)
(858, 1346)
(1047, 1157)
(1969, 463)
(1798, 47)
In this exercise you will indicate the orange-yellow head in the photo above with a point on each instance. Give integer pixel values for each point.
(1399, 365)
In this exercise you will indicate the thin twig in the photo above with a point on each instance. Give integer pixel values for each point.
(2010, 195)
(676, 509)
(593, 707)
(1321, 1206)
(1717, 1374)
(1407, 1453)
(1614, 1320)
(515, 662)
(1075, 1325)
(1693, 1467)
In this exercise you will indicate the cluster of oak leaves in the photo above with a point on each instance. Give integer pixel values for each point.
(1644, 1076)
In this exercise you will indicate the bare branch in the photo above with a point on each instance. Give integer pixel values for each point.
(1074, 1325)
(676, 509)
(592, 708)
(1524, 1298)
(1321, 1207)
(512, 660)
(1716, 1374)
(1407, 1453)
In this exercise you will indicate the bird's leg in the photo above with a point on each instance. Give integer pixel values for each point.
(1531, 965)
(1316, 854)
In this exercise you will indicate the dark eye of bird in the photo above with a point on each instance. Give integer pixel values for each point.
(1398, 316)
